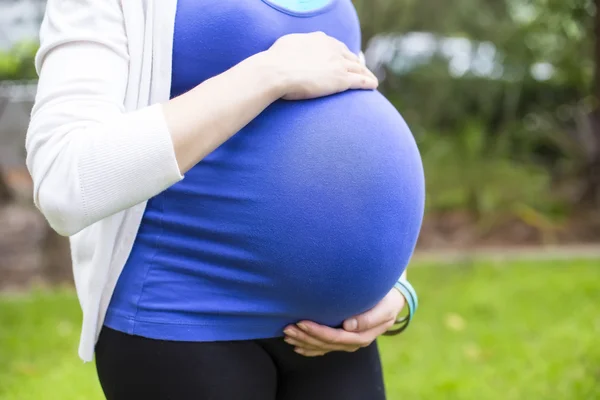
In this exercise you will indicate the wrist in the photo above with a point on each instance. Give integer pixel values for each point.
(404, 276)
(271, 73)
(410, 296)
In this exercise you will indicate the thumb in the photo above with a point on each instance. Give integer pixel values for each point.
(382, 313)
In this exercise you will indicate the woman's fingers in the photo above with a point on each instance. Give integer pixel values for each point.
(361, 81)
(333, 336)
(304, 340)
(310, 353)
(301, 345)
(359, 68)
(312, 339)
(318, 65)
(315, 339)
(385, 311)
(359, 76)
(341, 337)
(350, 56)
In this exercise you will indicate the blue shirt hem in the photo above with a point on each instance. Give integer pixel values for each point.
(260, 328)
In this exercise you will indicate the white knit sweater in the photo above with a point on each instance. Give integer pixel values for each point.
(97, 147)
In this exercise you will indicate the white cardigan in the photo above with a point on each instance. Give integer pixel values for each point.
(97, 148)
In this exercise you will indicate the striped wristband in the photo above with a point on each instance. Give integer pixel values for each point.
(412, 303)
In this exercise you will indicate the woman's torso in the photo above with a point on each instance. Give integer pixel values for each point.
(310, 212)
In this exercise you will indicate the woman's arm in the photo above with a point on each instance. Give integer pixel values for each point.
(205, 117)
(89, 158)
(296, 67)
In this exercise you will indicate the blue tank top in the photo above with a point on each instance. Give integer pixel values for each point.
(312, 211)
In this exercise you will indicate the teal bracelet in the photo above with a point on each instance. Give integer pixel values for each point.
(412, 303)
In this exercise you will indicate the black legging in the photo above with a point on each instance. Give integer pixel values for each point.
(133, 367)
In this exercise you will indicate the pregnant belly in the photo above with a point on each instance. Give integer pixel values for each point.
(311, 211)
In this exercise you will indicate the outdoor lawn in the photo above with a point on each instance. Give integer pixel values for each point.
(486, 331)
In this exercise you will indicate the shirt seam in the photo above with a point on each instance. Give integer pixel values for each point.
(137, 321)
(300, 13)
(152, 261)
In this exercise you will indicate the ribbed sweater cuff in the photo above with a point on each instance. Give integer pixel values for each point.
(127, 165)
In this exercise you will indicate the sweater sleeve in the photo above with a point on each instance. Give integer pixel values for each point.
(88, 157)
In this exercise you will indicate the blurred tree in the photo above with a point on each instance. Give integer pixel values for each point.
(543, 86)
(18, 62)
(593, 170)
(6, 195)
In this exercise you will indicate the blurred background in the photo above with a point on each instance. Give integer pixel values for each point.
(502, 97)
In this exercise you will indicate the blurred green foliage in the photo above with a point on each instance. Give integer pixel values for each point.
(478, 172)
(500, 95)
(17, 63)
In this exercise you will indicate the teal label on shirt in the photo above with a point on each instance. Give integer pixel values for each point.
(300, 6)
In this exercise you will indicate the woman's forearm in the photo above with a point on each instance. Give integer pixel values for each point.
(87, 166)
(205, 117)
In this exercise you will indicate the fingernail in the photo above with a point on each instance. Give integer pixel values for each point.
(289, 332)
(302, 326)
(352, 325)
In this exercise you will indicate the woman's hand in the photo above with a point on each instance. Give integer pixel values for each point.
(316, 65)
(311, 339)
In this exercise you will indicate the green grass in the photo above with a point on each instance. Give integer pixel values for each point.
(484, 332)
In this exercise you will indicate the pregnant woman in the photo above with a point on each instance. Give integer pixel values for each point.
(269, 270)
